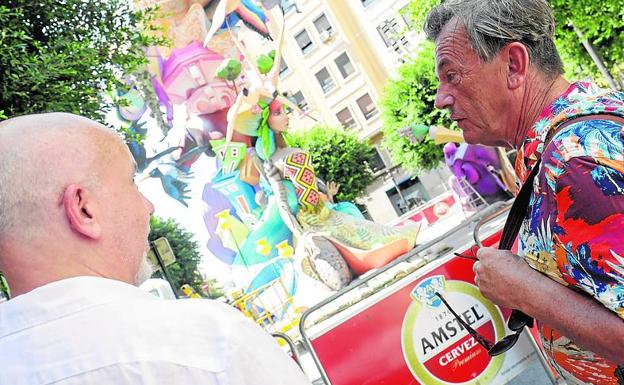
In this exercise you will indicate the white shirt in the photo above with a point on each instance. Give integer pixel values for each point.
(90, 330)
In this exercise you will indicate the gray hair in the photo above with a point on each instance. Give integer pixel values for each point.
(492, 24)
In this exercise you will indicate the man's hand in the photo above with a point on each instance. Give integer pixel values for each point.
(502, 277)
(508, 281)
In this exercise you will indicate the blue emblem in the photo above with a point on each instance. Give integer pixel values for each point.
(425, 291)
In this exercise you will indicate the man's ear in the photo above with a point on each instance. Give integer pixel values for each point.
(518, 62)
(79, 207)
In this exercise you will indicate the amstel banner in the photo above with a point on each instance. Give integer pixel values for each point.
(406, 335)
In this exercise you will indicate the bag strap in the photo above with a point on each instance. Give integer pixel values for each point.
(521, 203)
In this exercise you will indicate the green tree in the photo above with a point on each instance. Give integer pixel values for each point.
(410, 99)
(338, 156)
(65, 55)
(4, 288)
(215, 289)
(186, 251)
(417, 11)
(602, 23)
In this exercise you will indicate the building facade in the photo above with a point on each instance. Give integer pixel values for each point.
(337, 57)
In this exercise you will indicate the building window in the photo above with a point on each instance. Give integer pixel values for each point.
(377, 164)
(283, 67)
(300, 101)
(367, 106)
(304, 42)
(364, 210)
(406, 16)
(344, 65)
(325, 80)
(289, 5)
(384, 32)
(346, 118)
(413, 194)
(323, 27)
(392, 36)
(389, 31)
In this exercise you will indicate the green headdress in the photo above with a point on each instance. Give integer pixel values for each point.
(265, 145)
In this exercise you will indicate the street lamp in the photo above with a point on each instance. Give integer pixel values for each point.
(161, 255)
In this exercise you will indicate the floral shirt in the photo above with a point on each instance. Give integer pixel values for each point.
(574, 230)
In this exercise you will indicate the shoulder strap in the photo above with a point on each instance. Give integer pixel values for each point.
(518, 211)
(520, 205)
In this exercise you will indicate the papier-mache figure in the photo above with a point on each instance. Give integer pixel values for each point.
(486, 170)
(480, 167)
(265, 207)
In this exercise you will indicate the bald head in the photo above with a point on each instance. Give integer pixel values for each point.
(42, 154)
(68, 202)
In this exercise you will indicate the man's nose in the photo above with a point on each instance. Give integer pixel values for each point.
(443, 99)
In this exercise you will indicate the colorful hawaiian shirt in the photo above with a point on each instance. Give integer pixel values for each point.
(574, 230)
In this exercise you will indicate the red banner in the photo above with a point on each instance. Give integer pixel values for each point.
(407, 337)
(438, 208)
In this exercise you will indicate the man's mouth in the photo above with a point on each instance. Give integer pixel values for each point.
(459, 121)
(457, 118)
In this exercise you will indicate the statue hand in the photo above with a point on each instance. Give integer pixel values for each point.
(332, 190)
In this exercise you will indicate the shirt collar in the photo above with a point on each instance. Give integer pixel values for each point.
(57, 299)
(575, 101)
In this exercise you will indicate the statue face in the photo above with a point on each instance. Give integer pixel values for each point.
(278, 120)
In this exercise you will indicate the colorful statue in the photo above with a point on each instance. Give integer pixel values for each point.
(470, 162)
(288, 183)
(479, 166)
(265, 210)
(363, 244)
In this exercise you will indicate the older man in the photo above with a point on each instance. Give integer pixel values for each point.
(501, 78)
(73, 240)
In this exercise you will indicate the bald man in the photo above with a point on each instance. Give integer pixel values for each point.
(73, 243)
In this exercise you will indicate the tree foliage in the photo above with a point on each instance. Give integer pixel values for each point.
(215, 289)
(417, 11)
(4, 288)
(602, 23)
(65, 55)
(338, 156)
(409, 99)
(186, 251)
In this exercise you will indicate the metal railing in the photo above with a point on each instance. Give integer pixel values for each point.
(269, 305)
(291, 346)
(502, 209)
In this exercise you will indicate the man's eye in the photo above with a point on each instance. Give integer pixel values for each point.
(452, 77)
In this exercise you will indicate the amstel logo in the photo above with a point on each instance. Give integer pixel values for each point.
(437, 349)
